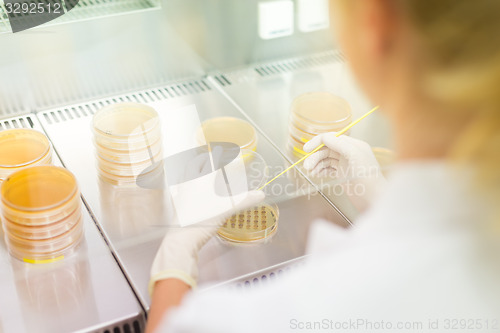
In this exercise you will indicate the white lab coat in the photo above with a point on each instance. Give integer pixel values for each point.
(421, 260)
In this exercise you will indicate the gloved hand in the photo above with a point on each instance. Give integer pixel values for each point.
(177, 256)
(349, 160)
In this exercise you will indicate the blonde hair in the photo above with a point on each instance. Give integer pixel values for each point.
(462, 55)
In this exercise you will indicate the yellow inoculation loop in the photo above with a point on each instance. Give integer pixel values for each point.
(348, 127)
(42, 261)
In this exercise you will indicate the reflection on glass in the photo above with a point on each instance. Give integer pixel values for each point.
(130, 212)
(57, 290)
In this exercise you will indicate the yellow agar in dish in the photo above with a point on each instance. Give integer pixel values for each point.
(125, 119)
(41, 213)
(253, 224)
(316, 111)
(38, 188)
(19, 147)
(229, 129)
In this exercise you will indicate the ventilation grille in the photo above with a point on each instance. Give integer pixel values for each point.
(277, 67)
(136, 325)
(293, 64)
(4, 19)
(222, 80)
(18, 122)
(146, 96)
(262, 277)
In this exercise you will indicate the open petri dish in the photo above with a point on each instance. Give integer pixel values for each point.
(257, 223)
(21, 148)
(254, 224)
(228, 129)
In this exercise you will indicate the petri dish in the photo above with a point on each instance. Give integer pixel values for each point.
(126, 126)
(259, 222)
(131, 180)
(41, 213)
(47, 245)
(228, 129)
(127, 169)
(20, 148)
(42, 217)
(254, 224)
(319, 112)
(128, 156)
(45, 251)
(42, 231)
(127, 137)
(299, 134)
(39, 191)
(296, 148)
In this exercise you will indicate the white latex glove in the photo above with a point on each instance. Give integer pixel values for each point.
(177, 256)
(349, 160)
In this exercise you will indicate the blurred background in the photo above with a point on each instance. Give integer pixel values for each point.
(106, 47)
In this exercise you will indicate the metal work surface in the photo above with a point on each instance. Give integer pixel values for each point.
(85, 291)
(134, 219)
(265, 93)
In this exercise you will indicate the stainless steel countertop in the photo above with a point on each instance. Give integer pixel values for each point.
(265, 94)
(133, 220)
(85, 291)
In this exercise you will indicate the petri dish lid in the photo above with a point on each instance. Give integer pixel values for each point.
(22, 147)
(38, 188)
(228, 129)
(122, 120)
(316, 112)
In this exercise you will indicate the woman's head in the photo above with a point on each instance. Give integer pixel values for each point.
(442, 55)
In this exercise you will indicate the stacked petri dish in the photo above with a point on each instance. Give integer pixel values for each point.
(315, 113)
(41, 213)
(22, 148)
(228, 129)
(257, 223)
(128, 143)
